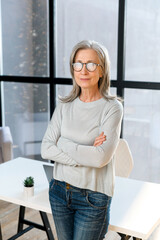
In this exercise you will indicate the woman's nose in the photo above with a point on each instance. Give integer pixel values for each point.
(84, 69)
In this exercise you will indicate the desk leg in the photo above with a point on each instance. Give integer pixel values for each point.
(46, 225)
(21, 218)
(0, 232)
(134, 238)
(126, 237)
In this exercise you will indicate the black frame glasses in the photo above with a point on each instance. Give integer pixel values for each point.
(90, 66)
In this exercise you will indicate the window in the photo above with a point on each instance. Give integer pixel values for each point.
(142, 131)
(26, 112)
(80, 20)
(25, 52)
(142, 41)
(24, 37)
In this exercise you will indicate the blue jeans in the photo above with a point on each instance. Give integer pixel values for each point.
(79, 214)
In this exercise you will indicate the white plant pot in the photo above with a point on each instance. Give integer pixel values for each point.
(28, 192)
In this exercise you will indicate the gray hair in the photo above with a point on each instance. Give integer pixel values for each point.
(104, 81)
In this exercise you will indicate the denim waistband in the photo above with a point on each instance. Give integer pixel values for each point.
(68, 186)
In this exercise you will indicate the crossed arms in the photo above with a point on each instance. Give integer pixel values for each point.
(59, 149)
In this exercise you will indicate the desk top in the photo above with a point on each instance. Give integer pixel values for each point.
(12, 175)
(135, 208)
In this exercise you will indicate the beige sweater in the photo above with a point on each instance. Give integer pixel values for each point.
(69, 142)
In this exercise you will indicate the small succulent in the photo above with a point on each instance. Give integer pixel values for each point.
(28, 182)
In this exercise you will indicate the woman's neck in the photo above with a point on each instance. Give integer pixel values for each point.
(89, 96)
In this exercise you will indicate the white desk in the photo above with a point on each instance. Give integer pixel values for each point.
(135, 208)
(12, 175)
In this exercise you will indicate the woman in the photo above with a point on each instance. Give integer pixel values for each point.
(81, 138)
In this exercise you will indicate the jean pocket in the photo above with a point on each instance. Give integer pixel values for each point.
(97, 200)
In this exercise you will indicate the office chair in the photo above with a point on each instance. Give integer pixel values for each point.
(123, 159)
(6, 144)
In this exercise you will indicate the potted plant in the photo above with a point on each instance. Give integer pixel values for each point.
(28, 186)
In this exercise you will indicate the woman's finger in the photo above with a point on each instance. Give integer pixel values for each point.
(100, 139)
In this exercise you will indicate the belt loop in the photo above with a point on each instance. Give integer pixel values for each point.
(84, 192)
(67, 186)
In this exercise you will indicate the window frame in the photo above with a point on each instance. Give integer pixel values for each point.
(120, 83)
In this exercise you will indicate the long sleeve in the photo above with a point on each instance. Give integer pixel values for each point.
(100, 156)
(49, 149)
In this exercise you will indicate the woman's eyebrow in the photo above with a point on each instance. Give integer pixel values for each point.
(93, 61)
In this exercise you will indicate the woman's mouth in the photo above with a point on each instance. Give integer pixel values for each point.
(84, 79)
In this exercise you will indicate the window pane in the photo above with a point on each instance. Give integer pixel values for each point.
(25, 37)
(26, 112)
(142, 42)
(142, 131)
(113, 90)
(99, 22)
(62, 91)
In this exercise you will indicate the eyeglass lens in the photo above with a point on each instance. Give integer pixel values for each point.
(89, 66)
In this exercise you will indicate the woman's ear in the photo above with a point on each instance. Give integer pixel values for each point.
(100, 73)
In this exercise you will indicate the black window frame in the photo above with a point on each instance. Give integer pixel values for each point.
(120, 83)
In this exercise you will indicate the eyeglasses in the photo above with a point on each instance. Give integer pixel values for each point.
(91, 67)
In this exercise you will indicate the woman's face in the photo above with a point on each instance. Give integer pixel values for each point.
(84, 78)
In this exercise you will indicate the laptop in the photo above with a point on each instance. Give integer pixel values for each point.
(48, 171)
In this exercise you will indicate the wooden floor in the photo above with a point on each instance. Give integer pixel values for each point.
(9, 218)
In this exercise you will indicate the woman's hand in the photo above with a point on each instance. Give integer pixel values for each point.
(99, 140)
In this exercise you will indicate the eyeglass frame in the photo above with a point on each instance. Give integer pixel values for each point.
(86, 66)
